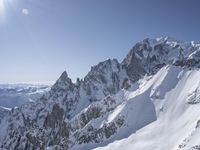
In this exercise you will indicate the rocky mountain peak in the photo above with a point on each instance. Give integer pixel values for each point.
(64, 78)
(63, 82)
(149, 55)
(64, 75)
(95, 108)
(102, 67)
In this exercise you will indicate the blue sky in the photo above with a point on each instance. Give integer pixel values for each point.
(39, 39)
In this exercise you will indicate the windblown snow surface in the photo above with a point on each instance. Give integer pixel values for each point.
(172, 91)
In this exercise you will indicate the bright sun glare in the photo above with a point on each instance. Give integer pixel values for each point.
(3, 4)
(2, 7)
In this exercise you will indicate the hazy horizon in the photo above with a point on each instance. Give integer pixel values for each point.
(41, 39)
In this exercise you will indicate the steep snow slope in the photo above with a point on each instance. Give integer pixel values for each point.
(133, 111)
(176, 124)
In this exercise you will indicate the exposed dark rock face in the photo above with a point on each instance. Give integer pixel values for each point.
(55, 118)
(197, 147)
(133, 66)
(95, 135)
(198, 124)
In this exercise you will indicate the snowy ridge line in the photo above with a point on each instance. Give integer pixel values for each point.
(136, 104)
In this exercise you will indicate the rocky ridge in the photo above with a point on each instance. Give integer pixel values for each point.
(75, 114)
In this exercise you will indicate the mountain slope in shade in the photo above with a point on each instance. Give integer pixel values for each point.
(3, 112)
(136, 104)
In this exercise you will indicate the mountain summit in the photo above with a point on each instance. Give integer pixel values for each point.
(148, 101)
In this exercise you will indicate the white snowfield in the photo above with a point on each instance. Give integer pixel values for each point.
(176, 126)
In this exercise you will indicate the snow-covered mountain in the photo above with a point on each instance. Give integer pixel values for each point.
(174, 91)
(148, 101)
(14, 95)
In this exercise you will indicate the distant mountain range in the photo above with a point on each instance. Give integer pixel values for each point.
(14, 95)
(149, 101)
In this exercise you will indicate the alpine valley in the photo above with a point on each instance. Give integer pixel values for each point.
(149, 101)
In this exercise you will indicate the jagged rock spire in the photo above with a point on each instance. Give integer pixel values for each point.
(64, 75)
(63, 82)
